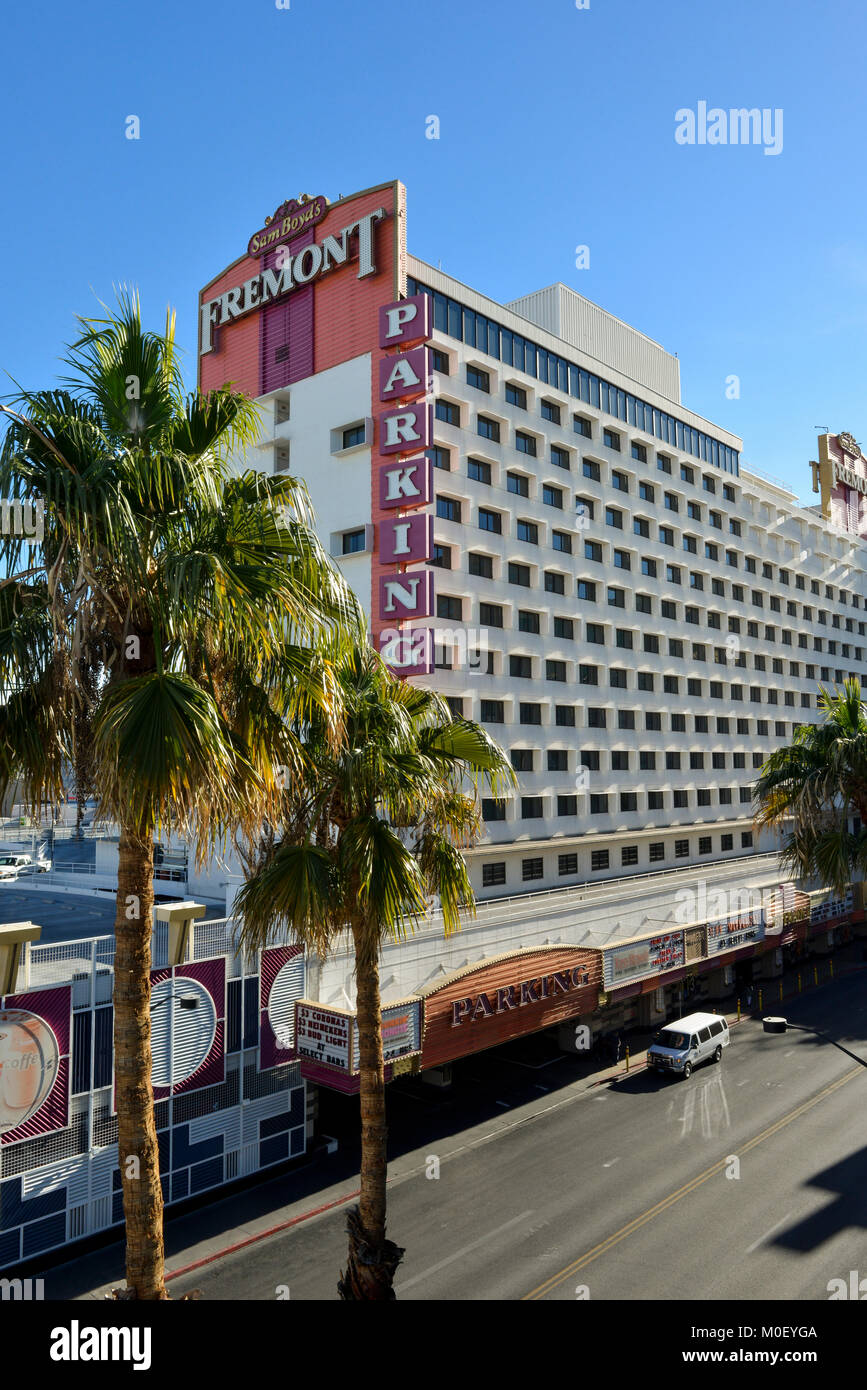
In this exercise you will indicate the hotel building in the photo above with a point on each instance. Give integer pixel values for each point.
(541, 530)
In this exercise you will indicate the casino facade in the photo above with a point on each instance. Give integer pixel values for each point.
(541, 530)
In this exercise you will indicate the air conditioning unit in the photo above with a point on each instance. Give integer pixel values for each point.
(281, 410)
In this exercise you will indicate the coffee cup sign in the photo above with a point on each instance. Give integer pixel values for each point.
(29, 1060)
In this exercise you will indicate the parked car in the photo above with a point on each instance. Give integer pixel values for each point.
(682, 1045)
(13, 865)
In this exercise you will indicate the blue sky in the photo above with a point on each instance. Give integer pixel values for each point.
(556, 130)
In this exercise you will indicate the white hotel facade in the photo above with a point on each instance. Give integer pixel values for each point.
(634, 615)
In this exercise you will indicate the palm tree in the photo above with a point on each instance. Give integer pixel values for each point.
(169, 613)
(810, 789)
(374, 831)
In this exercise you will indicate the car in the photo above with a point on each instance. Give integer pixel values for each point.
(682, 1045)
(12, 865)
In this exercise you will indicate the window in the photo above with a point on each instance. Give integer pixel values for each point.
(656, 852)
(525, 443)
(442, 458)
(593, 632)
(621, 560)
(590, 469)
(481, 565)
(562, 541)
(519, 574)
(567, 864)
(626, 719)
(644, 604)
(516, 395)
(528, 531)
(518, 483)
(521, 666)
(598, 805)
(479, 470)
(489, 429)
(493, 809)
(653, 721)
(559, 457)
(527, 621)
(595, 718)
(671, 502)
(531, 868)
(564, 716)
(448, 508)
(599, 859)
(617, 678)
(531, 808)
(490, 614)
(629, 854)
(492, 712)
(354, 541)
(552, 496)
(442, 557)
(551, 411)
(590, 759)
(681, 849)
(449, 412)
(619, 482)
(704, 844)
(593, 551)
(490, 521)
(352, 437)
(558, 760)
(614, 518)
(746, 839)
(530, 713)
(639, 451)
(663, 463)
(555, 670)
(554, 583)
(585, 590)
(481, 380)
(440, 361)
(611, 439)
(616, 598)
(567, 805)
(588, 675)
(493, 874)
(666, 535)
(522, 759)
(451, 608)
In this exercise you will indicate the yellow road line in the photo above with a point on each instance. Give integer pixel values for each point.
(635, 1225)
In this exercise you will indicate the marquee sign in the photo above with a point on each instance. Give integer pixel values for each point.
(841, 477)
(329, 1038)
(404, 434)
(736, 931)
(352, 242)
(649, 956)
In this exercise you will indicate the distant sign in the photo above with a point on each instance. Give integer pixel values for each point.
(401, 1032)
(736, 931)
(648, 957)
(323, 1035)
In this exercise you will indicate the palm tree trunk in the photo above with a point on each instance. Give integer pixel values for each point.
(373, 1260)
(138, 1153)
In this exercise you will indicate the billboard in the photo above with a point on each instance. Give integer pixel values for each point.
(35, 1032)
(649, 956)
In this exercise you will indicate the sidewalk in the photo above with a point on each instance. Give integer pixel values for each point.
(197, 1238)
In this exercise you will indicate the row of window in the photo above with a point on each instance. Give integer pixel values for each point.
(604, 803)
(530, 712)
(622, 760)
(494, 872)
(487, 336)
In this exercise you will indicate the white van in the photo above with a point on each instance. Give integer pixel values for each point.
(680, 1046)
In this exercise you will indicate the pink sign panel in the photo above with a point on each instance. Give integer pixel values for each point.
(405, 321)
(407, 651)
(404, 540)
(404, 375)
(35, 1034)
(406, 596)
(406, 484)
(406, 430)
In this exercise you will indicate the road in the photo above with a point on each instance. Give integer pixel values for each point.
(747, 1181)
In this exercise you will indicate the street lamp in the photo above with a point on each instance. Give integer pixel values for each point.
(774, 1024)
